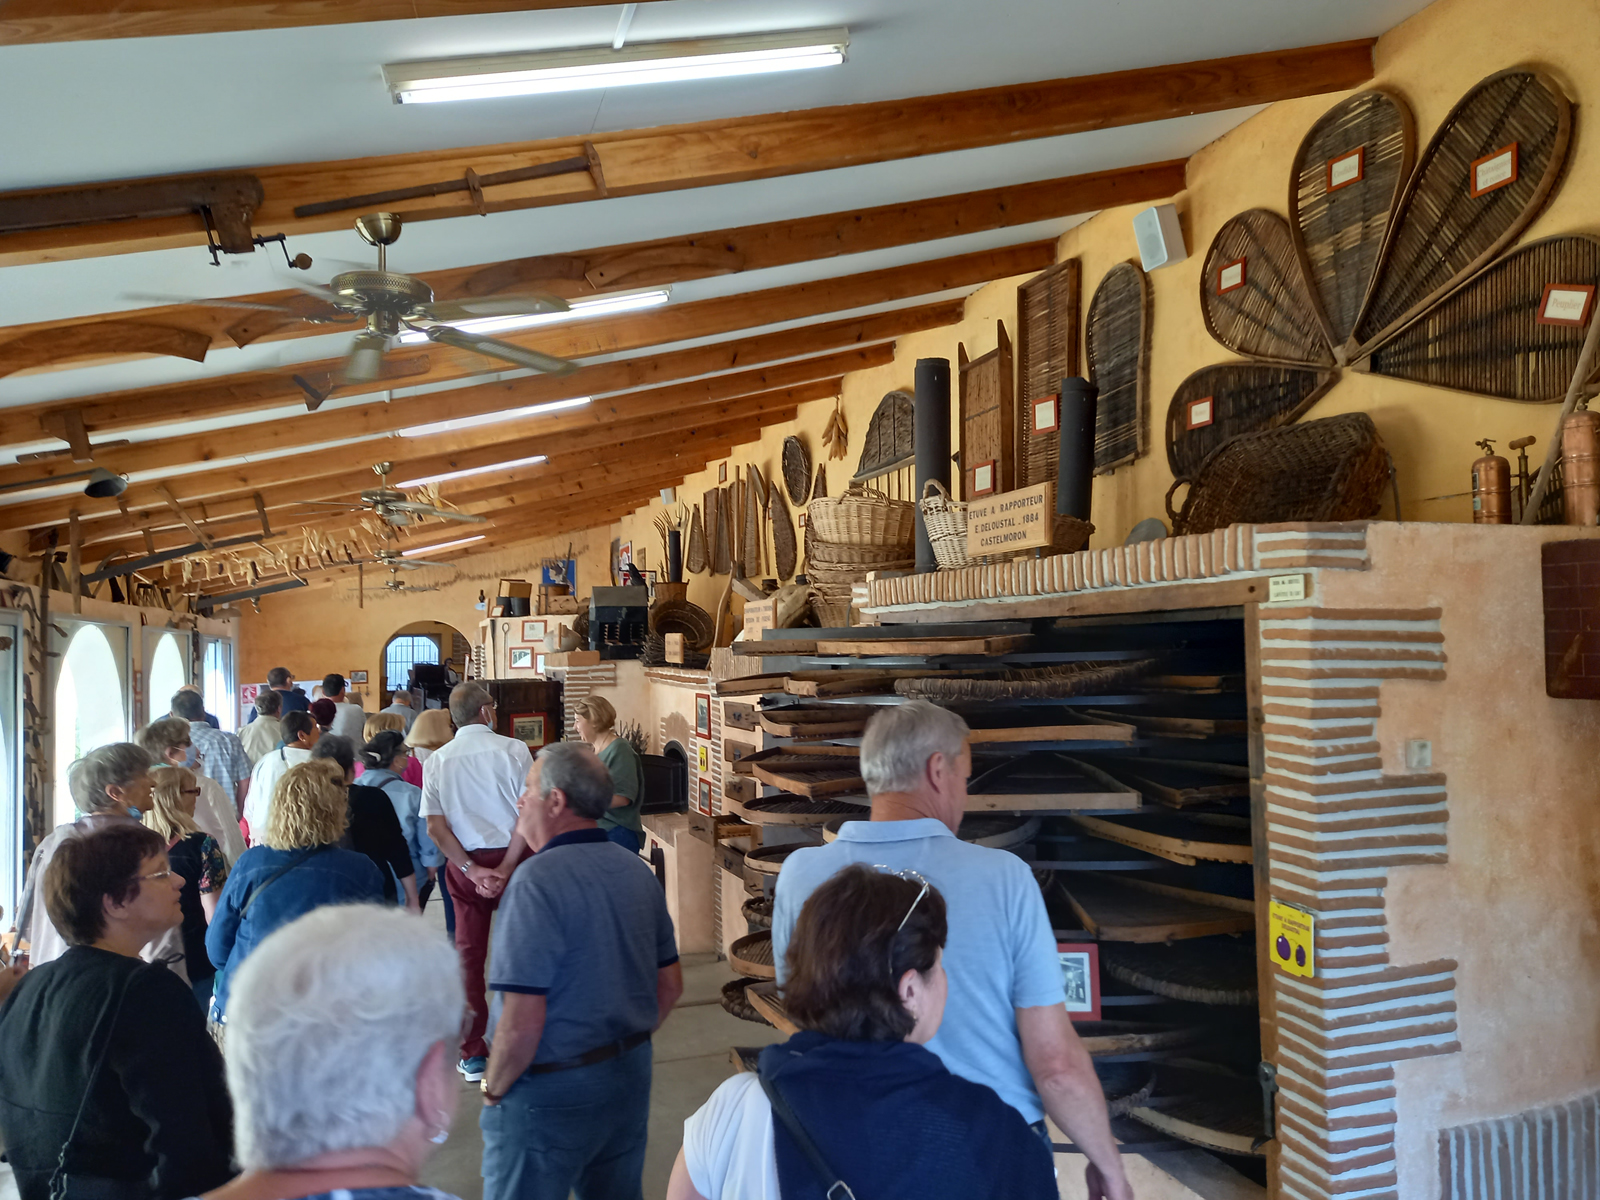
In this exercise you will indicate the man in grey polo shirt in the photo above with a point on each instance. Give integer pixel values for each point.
(1005, 1022)
(587, 969)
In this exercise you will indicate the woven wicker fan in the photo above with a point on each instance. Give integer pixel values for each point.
(888, 443)
(819, 490)
(796, 470)
(1245, 397)
(695, 559)
(717, 528)
(1118, 350)
(1253, 296)
(1486, 338)
(750, 544)
(1363, 147)
(784, 549)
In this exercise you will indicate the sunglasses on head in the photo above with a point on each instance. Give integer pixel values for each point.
(909, 876)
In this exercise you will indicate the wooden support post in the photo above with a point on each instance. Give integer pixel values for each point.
(68, 426)
(200, 534)
(75, 561)
(261, 511)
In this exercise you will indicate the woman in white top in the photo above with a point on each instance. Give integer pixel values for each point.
(300, 734)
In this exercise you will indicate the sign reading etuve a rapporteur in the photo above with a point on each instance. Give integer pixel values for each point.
(1012, 521)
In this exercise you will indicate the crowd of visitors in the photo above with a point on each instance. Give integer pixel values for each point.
(920, 970)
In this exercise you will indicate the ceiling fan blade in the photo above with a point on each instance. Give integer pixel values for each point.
(411, 564)
(365, 361)
(157, 298)
(429, 510)
(495, 348)
(317, 290)
(495, 306)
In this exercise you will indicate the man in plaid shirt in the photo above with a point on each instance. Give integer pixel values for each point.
(221, 755)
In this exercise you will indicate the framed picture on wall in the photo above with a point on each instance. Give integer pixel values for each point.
(521, 658)
(533, 631)
(528, 728)
(703, 757)
(1080, 973)
(702, 714)
(358, 676)
(705, 796)
(538, 663)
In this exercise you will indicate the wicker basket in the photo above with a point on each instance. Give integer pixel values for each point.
(1070, 534)
(831, 603)
(864, 516)
(946, 522)
(1335, 469)
(680, 616)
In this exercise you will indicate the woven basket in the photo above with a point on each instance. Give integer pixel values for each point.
(864, 516)
(946, 522)
(1335, 469)
(831, 603)
(680, 616)
(1070, 534)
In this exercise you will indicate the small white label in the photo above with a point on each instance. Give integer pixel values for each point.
(1419, 755)
(1565, 304)
(1286, 587)
(1231, 276)
(1494, 170)
(1345, 170)
(1200, 413)
(983, 478)
(1044, 413)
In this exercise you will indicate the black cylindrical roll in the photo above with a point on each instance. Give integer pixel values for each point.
(1075, 470)
(932, 441)
(674, 556)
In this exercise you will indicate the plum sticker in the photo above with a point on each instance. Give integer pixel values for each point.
(1292, 934)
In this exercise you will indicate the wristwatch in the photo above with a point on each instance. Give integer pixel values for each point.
(483, 1086)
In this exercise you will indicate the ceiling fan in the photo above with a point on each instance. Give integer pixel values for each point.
(392, 303)
(394, 507)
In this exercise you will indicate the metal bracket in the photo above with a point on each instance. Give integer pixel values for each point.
(1267, 1073)
(300, 262)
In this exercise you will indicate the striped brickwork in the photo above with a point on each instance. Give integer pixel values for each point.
(1543, 1154)
(578, 684)
(1336, 824)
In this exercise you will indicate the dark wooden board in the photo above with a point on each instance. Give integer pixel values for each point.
(889, 647)
(1043, 782)
(1179, 783)
(1132, 1037)
(808, 771)
(740, 716)
(817, 720)
(1191, 728)
(1113, 910)
(1180, 839)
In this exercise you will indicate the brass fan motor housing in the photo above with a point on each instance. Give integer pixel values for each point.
(384, 290)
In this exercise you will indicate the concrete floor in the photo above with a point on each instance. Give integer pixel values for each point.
(691, 1059)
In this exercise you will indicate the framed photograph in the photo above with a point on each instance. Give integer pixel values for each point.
(1201, 412)
(703, 758)
(533, 631)
(1566, 304)
(983, 478)
(722, 472)
(802, 520)
(1080, 973)
(1230, 277)
(705, 796)
(538, 664)
(1347, 168)
(358, 676)
(521, 658)
(529, 728)
(247, 691)
(1493, 171)
(1046, 415)
(702, 714)
(560, 570)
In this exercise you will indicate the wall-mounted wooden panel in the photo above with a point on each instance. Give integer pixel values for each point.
(988, 414)
(1048, 309)
(1119, 366)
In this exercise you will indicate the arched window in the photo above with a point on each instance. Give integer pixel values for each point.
(168, 673)
(89, 708)
(405, 652)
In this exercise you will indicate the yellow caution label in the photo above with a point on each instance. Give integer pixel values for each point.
(1293, 935)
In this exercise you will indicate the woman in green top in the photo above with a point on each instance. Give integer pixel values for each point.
(595, 719)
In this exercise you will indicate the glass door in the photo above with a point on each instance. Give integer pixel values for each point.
(92, 699)
(166, 668)
(217, 681)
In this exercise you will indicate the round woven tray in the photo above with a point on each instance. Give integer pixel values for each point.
(769, 859)
(680, 616)
(758, 912)
(792, 810)
(733, 1000)
(751, 955)
(1126, 1085)
(1030, 683)
(996, 832)
(864, 517)
(1202, 970)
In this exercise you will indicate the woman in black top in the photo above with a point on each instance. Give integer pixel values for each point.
(374, 829)
(197, 859)
(108, 1078)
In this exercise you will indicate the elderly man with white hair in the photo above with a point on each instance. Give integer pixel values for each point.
(1005, 1023)
(342, 1032)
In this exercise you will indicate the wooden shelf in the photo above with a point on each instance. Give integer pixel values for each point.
(1179, 839)
(1116, 910)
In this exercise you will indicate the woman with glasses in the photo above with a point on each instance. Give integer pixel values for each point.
(854, 1098)
(168, 742)
(196, 859)
(109, 1087)
(296, 867)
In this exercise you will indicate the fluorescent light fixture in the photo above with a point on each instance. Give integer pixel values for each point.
(580, 310)
(438, 546)
(532, 460)
(543, 72)
(494, 418)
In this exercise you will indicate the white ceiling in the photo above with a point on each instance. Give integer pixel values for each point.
(132, 107)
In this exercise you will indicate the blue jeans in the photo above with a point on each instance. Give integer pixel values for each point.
(624, 837)
(582, 1131)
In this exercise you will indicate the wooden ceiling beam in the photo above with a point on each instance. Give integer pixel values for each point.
(380, 422)
(729, 150)
(28, 22)
(646, 264)
(578, 339)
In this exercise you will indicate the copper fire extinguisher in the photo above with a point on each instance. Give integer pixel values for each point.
(1580, 468)
(1491, 487)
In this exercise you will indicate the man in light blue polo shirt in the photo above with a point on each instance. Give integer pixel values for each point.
(587, 969)
(1005, 1023)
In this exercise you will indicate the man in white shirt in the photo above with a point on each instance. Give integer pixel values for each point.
(262, 735)
(348, 719)
(470, 787)
(300, 735)
(400, 706)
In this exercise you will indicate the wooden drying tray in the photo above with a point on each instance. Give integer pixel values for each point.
(793, 810)
(746, 1059)
(740, 716)
(1181, 783)
(768, 860)
(1193, 685)
(1044, 781)
(1125, 1085)
(809, 771)
(1093, 854)
(1132, 1039)
(1206, 1108)
(751, 955)
(1180, 839)
(842, 682)
(945, 647)
(817, 720)
(1077, 731)
(1194, 728)
(997, 833)
(764, 998)
(1201, 971)
(1116, 909)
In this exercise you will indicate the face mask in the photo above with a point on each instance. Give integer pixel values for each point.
(191, 757)
(133, 812)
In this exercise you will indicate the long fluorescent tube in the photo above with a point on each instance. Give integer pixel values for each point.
(580, 310)
(532, 460)
(494, 418)
(541, 73)
(434, 549)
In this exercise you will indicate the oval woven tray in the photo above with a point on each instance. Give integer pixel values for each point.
(680, 616)
(751, 955)
(1201, 970)
(769, 859)
(796, 470)
(758, 912)
(1072, 679)
(792, 810)
(733, 1000)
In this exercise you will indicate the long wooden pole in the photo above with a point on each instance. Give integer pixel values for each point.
(1585, 368)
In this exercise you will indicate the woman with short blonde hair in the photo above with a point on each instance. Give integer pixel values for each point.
(595, 720)
(380, 721)
(431, 730)
(296, 867)
(194, 856)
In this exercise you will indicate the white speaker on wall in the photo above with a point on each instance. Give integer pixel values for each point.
(1160, 237)
(669, 496)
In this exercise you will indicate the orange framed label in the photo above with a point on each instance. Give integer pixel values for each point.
(982, 479)
(1493, 171)
(1201, 412)
(1347, 169)
(1046, 415)
(1565, 304)
(1230, 277)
